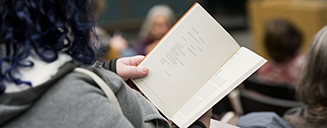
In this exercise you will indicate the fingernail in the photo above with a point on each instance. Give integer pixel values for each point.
(145, 69)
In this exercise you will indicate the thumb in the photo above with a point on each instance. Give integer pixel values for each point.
(139, 72)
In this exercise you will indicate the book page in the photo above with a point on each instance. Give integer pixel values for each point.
(188, 55)
(240, 66)
(218, 124)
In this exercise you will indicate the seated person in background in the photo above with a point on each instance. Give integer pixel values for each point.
(158, 21)
(103, 50)
(312, 88)
(121, 45)
(282, 41)
(108, 48)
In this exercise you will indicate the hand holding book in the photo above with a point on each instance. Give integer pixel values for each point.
(127, 67)
(194, 66)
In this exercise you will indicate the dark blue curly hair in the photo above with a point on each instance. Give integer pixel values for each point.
(42, 26)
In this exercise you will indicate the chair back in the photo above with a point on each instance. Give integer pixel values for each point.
(272, 90)
(254, 102)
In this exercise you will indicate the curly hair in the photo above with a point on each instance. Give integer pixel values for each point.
(42, 27)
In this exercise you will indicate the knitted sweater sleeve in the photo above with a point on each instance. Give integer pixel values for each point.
(110, 65)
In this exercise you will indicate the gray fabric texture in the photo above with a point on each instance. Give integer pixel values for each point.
(262, 120)
(71, 100)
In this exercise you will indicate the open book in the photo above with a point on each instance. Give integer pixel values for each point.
(194, 66)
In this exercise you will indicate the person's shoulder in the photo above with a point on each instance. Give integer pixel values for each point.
(299, 59)
(294, 111)
(109, 77)
(266, 68)
(104, 73)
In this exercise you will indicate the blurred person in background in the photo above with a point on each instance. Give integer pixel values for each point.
(109, 47)
(282, 41)
(158, 21)
(121, 45)
(41, 44)
(104, 51)
(312, 88)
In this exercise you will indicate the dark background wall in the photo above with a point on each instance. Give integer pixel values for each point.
(129, 14)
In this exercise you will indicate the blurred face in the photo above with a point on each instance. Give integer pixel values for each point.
(159, 26)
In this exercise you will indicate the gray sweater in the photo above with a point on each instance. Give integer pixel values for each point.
(73, 100)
